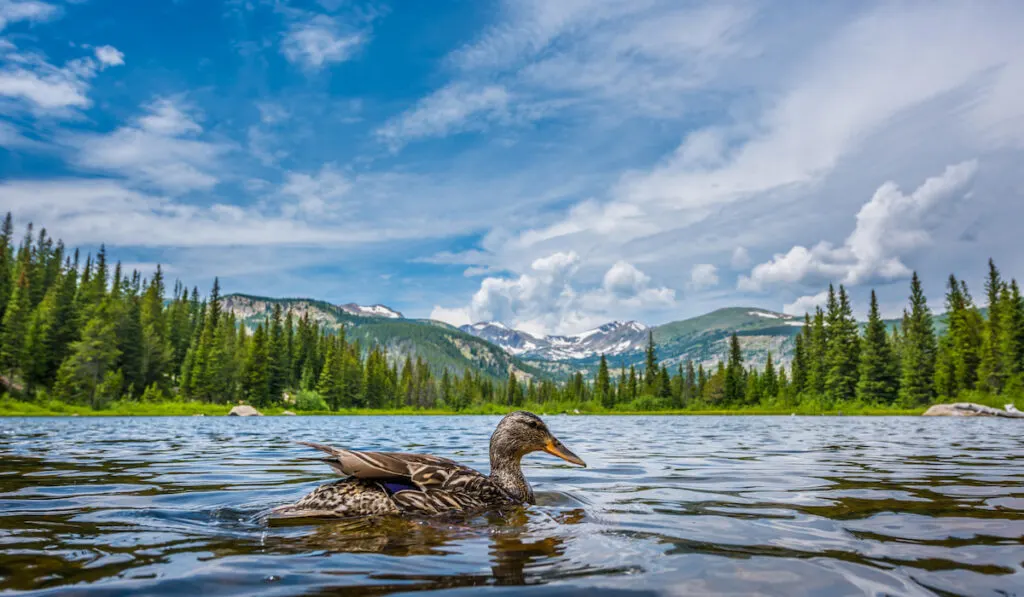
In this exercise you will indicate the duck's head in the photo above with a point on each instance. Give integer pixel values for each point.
(521, 433)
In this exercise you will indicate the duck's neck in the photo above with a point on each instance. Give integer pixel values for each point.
(507, 473)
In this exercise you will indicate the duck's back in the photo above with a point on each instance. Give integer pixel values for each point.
(396, 483)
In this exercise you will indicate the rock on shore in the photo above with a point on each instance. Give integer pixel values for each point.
(969, 409)
(244, 410)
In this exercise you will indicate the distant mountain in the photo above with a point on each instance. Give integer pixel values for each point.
(612, 338)
(439, 344)
(494, 348)
(702, 339)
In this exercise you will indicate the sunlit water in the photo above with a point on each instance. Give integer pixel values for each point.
(669, 505)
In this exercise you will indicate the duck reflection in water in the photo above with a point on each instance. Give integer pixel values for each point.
(513, 547)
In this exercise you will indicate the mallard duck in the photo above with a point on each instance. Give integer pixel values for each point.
(380, 483)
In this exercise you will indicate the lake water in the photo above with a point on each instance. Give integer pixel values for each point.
(668, 506)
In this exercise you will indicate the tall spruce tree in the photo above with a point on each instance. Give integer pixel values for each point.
(769, 380)
(278, 349)
(816, 347)
(843, 350)
(917, 381)
(1013, 338)
(650, 364)
(878, 379)
(255, 385)
(603, 387)
(990, 369)
(735, 383)
(6, 264)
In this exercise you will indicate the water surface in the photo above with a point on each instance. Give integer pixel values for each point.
(668, 506)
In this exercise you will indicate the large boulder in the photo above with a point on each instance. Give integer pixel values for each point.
(969, 409)
(288, 413)
(244, 410)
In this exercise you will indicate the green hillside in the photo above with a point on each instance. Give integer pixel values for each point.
(439, 344)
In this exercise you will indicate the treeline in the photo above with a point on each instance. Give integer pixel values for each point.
(835, 363)
(89, 334)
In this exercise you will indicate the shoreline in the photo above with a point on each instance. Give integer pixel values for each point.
(12, 409)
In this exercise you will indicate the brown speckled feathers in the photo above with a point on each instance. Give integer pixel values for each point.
(395, 483)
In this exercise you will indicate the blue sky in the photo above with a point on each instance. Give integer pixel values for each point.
(552, 165)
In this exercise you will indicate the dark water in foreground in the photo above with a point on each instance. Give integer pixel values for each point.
(669, 505)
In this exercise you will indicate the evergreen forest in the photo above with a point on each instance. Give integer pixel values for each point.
(84, 332)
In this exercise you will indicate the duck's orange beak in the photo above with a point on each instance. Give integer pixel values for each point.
(556, 448)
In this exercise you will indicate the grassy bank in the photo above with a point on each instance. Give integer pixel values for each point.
(10, 407)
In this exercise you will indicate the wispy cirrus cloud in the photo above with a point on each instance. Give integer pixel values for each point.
(319, 40)
(162, 150)
(13, 11)
(41, 88)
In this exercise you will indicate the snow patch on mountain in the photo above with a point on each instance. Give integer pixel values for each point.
(370, 310)
(613, 338)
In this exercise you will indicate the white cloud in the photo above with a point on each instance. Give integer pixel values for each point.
(458, 316)
(162, 150)
(320, 40)
(84, 208)
(451, 109)
(703, 275)
(549, 298)
(806, 304)
(13, 11)
(889, 225)
(314, 195)
(43, 88)
(109, 56)
(740, 258)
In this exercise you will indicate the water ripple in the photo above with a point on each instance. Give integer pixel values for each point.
(668, 506)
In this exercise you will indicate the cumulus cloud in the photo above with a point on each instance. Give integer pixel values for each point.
(547, 298)
(45, 89)
(451, 109)
(109, 56)
(162, 150)
(888, 226)
(806, 304)
(320, 40)
(703, 275)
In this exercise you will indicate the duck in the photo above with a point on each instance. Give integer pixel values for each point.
(393, 483)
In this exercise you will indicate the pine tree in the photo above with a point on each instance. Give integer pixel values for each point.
(15, 326)
(990, 369)
(6, 264)
(815, 349)
(877, 381)
(633, 389)
(843, 350)
(769, 380)
(255, 384)
(799, 365)
(513, 396)
(650, 364)
(918, 360)
(664, 383)
(735, 382)
(1013, 337)
(90, 361)
(278, 350)
(690, 389)
(603, 387)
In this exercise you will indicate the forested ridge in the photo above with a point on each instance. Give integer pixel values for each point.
(85, 332)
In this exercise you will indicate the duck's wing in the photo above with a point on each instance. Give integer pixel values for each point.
(422, 470)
